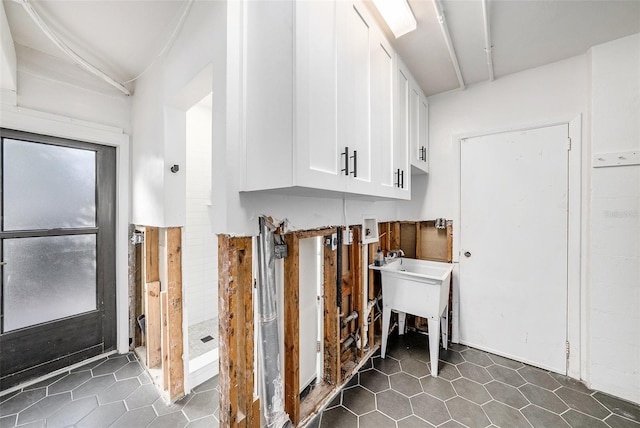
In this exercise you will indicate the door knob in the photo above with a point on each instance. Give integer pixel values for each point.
(467, 254)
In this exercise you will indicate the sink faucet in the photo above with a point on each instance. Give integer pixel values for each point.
(393, 254)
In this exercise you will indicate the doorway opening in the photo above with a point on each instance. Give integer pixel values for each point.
(200, 246)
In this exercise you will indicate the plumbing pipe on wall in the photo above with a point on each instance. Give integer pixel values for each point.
(437, 4)
(272, 381)
(487, 38)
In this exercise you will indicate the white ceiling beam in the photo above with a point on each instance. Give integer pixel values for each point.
(437, 4)
(8, 65)
(487, 38)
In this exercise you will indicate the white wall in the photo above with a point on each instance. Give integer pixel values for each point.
(603, 86)
(200, 245)
(158, 119)
(614, 292)
(550, 93)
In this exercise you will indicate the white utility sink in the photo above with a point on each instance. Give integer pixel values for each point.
(421, 288)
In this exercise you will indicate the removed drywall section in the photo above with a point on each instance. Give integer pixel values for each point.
(614, 290)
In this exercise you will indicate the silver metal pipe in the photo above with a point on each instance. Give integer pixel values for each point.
(353, 315)
(347, 343)
(272, 382)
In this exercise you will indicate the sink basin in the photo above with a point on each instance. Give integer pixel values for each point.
(417, 287)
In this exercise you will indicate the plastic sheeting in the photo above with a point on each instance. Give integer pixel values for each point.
(272, 382)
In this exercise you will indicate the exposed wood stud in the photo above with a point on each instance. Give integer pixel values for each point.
(138, 339)
(164, 305)
(331, 319)
(238, 408)
(152, 258)
(153, 325)
(227, 350)
(360, 300)
(449, 243)
(291, 329)
(174, 312)
(395, 236)
(371, 294)
(418, 241)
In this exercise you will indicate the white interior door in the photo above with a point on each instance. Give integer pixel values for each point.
(513, 244)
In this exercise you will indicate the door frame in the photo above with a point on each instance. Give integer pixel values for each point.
(37, 122)
(575, 291)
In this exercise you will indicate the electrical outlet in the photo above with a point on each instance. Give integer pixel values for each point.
(347, 236)
(331, 242)
(281, 251)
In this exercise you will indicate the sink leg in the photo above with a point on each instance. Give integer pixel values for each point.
(444, 325)
(386, 317)
(434, 344)
(402, 317)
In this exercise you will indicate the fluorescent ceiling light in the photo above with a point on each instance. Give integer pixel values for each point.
(398, 16)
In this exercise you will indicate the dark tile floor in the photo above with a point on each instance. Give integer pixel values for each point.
(474, 389)
(111, 392)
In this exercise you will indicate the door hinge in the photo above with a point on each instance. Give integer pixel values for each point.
(567, 349)
(318, 346)
(568, 143)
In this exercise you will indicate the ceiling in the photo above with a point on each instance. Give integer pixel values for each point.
(123, 37)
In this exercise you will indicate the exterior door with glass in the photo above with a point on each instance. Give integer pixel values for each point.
(57, 253)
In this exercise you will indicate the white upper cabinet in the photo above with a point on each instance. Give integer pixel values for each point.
(268, 94)
(354, 95)
(402, 175)
(423, 136)
(319, 163)
(418, 129)
(320, 101)
(382, 113)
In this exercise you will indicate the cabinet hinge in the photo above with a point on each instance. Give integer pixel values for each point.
(318, 346)
(569, 143)
(567, 349)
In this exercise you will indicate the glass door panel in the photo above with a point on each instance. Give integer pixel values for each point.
(48, 186)
(48, 278)
(57, 253)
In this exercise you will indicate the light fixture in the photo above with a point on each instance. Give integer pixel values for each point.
(398, 16)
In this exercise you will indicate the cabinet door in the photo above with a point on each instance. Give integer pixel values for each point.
(382, 115)
(414, 121)
(423, 139)
(268, 94)
(402, 177)
(318, 157)
(354, 94)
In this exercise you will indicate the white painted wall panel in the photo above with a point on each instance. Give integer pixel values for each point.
(614, 291)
